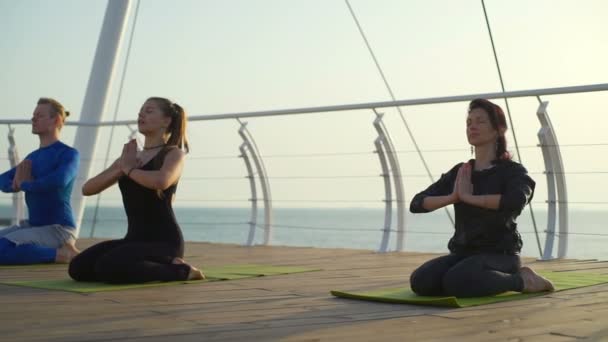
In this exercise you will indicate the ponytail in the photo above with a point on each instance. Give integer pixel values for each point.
(177, 128)
(501, 148)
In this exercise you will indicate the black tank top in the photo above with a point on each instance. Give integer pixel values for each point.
(150, 216)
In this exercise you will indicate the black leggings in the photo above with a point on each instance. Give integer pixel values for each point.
(120, 261)
(468, 276)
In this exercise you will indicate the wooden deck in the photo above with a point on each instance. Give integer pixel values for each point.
(295, 307)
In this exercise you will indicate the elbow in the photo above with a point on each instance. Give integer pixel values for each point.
(513, 203)
(162, 184)
(418, 210)
(417, 205)
(88, 190)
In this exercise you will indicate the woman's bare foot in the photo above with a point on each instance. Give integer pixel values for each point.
(178, 261)
(194, 274)
(66, 253)
(533, 282)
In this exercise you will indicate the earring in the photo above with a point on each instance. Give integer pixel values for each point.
(472, 150)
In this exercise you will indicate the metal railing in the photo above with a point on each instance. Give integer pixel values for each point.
(388, 157)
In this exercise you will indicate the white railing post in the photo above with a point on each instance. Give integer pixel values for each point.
(249, 146)
(253, 219)
(393, 162)
(96, 97)
(388, 194)
(556, 185)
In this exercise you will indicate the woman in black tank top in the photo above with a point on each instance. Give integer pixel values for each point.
(153, 247)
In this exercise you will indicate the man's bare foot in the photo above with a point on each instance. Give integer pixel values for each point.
(194, 274)
(533, 282)
(66, 253)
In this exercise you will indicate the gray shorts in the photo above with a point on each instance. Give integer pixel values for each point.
(53, 236)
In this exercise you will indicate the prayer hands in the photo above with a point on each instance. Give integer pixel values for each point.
(128, 159)
(463, 186)
(23, 173)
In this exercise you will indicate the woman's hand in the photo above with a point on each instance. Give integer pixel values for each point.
(128, 159)
(463, 185)
(454, 196)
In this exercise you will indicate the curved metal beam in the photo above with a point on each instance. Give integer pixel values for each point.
(253, 219)
(393, 162)
(388, 200)
(261, 170)
(556, 181)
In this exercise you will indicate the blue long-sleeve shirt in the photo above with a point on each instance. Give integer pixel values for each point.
(47, 196)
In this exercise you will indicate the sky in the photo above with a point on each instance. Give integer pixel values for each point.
(229, 56)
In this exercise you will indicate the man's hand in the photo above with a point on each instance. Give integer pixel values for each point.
(23, 173)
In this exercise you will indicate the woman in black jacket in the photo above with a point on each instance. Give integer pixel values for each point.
(488, 193)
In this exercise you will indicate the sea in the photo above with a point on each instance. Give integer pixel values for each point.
(354, 228)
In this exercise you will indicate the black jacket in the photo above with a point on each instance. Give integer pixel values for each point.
(480, 230)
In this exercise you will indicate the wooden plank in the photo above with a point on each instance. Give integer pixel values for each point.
(294, 307)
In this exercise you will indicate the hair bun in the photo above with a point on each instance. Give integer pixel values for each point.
(67, 113)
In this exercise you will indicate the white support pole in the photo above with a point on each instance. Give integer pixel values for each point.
(400, 200)
(96, 97)
(556, 185)
(253, 219)
(261, 170)
(388, 194)
(393, 162)
(388, 200)
(132, 135)
(13, 158)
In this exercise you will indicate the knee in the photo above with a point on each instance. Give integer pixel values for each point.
(76, 270)
(423, 283)
(7, 255)
(5, 244)
(459, 283)
(109, 269)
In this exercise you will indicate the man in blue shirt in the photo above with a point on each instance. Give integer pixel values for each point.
(46, 176)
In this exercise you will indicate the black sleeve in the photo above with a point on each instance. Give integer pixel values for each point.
(518, 189)
(442, 187)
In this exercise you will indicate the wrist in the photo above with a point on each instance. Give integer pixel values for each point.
(22, 185)
(125, 168)
(128, 173)
(453, 198)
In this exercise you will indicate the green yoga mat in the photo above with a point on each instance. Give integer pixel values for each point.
(218, 273)
(561, 281)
